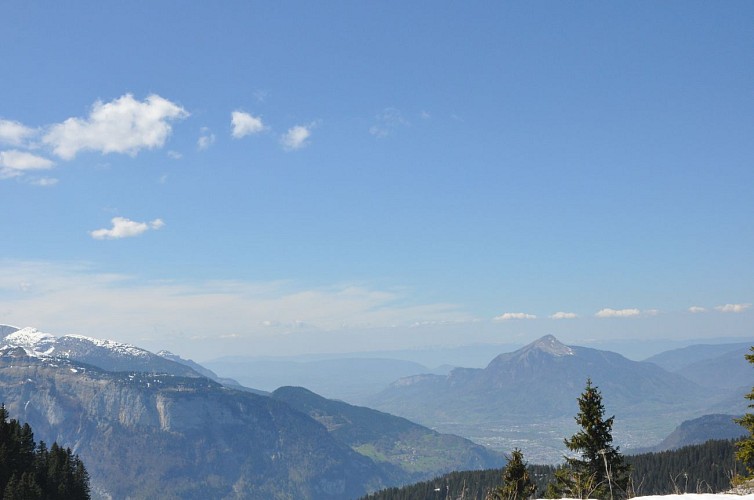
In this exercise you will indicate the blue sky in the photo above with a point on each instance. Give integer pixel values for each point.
(277, 178)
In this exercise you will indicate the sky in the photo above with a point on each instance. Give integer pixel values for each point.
(278, 178)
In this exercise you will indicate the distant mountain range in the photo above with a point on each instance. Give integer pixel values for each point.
(677, 359)
(157, 426)
(151, 425)
(351, 379)
(206, 372)
(529, 396)
(700, 430)
(721, 366)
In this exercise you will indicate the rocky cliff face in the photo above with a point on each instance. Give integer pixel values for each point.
(163, 436)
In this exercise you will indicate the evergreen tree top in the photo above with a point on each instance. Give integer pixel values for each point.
(600, 469)
(31, 472)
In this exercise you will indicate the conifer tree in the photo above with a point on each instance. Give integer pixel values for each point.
(28, 472)
(745, 447)
(517, 484)
(599, 470)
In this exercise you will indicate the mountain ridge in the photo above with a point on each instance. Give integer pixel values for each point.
(532, 391)
(390, 439)
(106, 354)
(189, 436)
(179, 437)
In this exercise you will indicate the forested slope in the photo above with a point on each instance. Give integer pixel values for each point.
(703, 468)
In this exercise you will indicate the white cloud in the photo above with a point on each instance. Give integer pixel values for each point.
(123, 125)
(125, 228)
(696, 309)
(206, 139)
(564, 315)
(617, 313)
(14, 133)
(733, 308)
(44, 181)
(508, 316)
(296, 137)
(174, 155)
(388, 120)
(14, 162)
(245, 124)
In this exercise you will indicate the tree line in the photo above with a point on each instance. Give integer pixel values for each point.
(703, 468)
(33, 472)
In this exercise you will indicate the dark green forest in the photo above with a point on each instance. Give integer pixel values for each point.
(703, 468)
(33, 472)
(471, 485)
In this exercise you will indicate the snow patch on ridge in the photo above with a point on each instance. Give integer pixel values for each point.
(111, 345)
(34, 342)
(40, 344)
(551, 345)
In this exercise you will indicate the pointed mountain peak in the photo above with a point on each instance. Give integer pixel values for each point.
(550, 345)
(34, 342)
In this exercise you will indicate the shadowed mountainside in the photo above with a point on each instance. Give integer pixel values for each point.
(149, 436)
(385, 438)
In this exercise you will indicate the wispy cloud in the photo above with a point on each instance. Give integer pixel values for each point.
(387, 121)
(14, 163)
(14, 133)
(296, 137)
(43, 181)
(124, 125)
(514, 315)
(125, 228)
(64, 296)
(696, 309)
(206, 139)
(243, 124)
(733, 308)
(564, 315)
(617, 313)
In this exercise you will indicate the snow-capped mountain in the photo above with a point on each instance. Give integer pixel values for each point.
(105, 354)
(34, 342)
(190, 437)
(185, 437)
